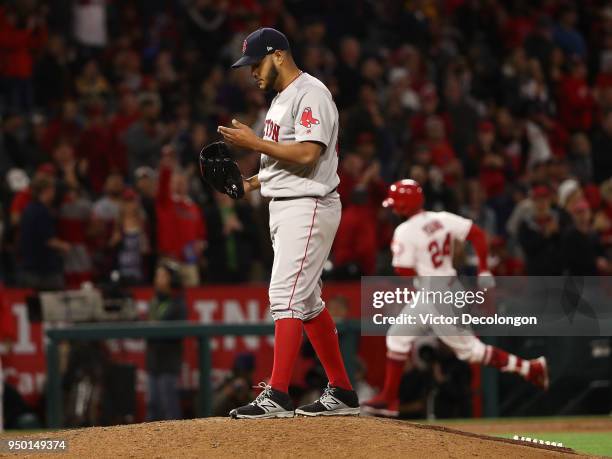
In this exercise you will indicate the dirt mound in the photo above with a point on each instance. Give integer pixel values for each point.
(298, 437)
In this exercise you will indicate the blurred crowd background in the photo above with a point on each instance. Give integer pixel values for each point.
(502, 110)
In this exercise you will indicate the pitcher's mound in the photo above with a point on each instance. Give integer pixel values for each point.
(297, 437)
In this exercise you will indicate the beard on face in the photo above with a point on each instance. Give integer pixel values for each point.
(270, 79)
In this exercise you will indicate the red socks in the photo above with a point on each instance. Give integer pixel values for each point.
(498, 358)
(323, 336)
(393, 377)
(287, 342)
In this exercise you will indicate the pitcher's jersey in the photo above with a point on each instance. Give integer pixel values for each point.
(424, 242)
(303, 111)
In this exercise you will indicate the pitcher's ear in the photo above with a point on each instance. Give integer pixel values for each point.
(279, 57)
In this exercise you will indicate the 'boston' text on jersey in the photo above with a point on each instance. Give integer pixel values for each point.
(272, 130)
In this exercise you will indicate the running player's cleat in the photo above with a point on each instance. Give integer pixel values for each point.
(269, 404)
(334, 402)
(380, 406)
(538, 373)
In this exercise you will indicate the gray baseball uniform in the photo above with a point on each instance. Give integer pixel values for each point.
(305, 209)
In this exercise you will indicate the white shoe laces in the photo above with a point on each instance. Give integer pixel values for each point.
(265, 392)
(327, 394)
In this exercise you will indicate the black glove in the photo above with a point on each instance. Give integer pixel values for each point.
(220, 170)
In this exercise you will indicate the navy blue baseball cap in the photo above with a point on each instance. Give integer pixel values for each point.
(259, 44)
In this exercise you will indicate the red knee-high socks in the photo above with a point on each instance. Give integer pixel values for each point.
(287, 342)
(393, 377)
(321, 332)
(504, 361)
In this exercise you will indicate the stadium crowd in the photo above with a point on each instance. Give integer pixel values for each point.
(502, 110)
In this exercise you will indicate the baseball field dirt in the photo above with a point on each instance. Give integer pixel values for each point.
(298, 437)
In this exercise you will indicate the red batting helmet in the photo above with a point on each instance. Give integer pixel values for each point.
(405, 197)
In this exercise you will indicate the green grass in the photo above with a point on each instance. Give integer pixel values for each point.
(536, 419)
(599, 443)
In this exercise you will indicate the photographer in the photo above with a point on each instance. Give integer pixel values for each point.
(436, 383)
(164, 356)
(236, 388)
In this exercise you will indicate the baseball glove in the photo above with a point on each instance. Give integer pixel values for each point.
(220, 170)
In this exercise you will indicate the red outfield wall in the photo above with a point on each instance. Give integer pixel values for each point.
(24, 363)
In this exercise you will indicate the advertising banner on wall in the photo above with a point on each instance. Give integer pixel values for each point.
(24, 359)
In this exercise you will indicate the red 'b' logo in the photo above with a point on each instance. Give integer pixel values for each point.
(244, 43)
(307, 119)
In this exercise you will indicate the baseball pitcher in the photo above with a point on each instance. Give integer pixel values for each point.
(298, 170)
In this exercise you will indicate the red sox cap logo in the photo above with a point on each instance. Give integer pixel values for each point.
(244, 45)
(307, 119)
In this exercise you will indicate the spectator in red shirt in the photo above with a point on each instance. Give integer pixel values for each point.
(442, 153)
(356, 240)
(602, 91)
(502, 263)
(66, 126)
(517, 25)
(493, 174)
(485, 143)
(98, 147)
(488, 162)
(127, 114)
(20, 37)
(430, 104)
(181, 232)
(575, 99)
(356, 172)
